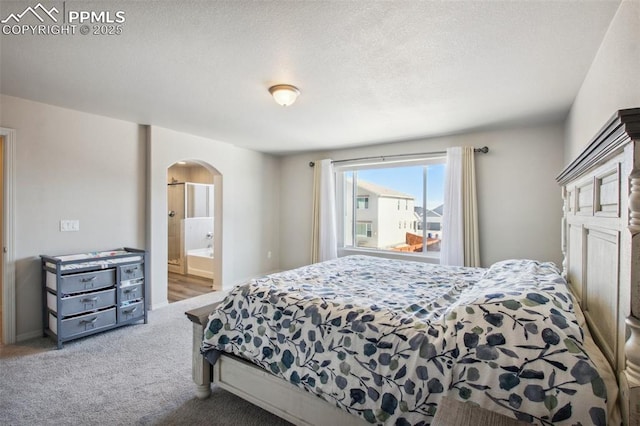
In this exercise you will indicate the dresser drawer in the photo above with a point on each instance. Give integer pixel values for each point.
(83, 302)
(131, 272)
(79, 283)
(83, 324)
(88, 293)
(133, 291)
(129, 311)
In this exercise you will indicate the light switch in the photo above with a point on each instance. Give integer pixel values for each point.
(67, 225)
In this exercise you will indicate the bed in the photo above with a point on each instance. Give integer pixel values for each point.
(362, 339)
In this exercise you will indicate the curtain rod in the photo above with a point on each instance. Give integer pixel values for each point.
(483, 150)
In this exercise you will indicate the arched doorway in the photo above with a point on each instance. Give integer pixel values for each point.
(193, 243)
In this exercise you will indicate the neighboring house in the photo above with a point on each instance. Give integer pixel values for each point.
(434, 220)
(383, 216)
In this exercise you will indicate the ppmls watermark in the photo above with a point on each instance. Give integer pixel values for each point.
(62, 18)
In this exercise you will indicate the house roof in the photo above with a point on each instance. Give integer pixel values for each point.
(435, 212)
(369, 188)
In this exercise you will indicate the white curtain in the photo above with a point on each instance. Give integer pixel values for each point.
(460, 245)
(324, 238)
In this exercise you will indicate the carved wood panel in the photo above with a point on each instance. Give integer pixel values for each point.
(585, 198)
(607, 195)
(575, 253)
(600, 302)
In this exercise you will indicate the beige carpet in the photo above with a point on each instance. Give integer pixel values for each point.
(136, 375)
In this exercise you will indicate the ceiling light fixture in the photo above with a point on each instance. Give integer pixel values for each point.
(284, 94)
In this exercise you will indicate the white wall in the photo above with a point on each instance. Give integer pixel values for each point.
(520, 205)
(111, 176)
(612, 82)
(70, 165)
(250, 206)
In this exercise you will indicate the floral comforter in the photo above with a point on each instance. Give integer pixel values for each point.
(385, 339)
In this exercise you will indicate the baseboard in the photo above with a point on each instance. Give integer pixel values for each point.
(178, 269)
(28, 336)
(158, 305)
(200, 273)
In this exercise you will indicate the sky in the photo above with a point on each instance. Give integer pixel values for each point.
(409, 181)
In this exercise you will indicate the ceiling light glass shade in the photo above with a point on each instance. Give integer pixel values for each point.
(284, 94)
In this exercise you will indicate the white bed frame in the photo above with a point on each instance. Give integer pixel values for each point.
(601, 247)
(258, 386)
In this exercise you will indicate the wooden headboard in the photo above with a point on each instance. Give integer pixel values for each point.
(601, 247)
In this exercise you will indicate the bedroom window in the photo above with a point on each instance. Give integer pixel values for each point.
(363, 202)
(398, 206)
(363, 229)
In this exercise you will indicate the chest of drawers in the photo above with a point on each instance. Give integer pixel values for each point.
(87, 293)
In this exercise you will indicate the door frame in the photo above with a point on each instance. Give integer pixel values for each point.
(8, 235)
(217, 220)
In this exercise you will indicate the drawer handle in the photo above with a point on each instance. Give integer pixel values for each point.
(91, 321)
(130, 311)
(92, 300)
(130, 290)
(132, 270)
(86, 280)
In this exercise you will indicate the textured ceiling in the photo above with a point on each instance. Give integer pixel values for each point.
(369, 71)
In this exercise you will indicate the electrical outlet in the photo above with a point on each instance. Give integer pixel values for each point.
(68, 225)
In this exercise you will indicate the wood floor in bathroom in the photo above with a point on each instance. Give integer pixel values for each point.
(186, 286)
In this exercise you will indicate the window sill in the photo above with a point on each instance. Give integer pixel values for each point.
(426, 258)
